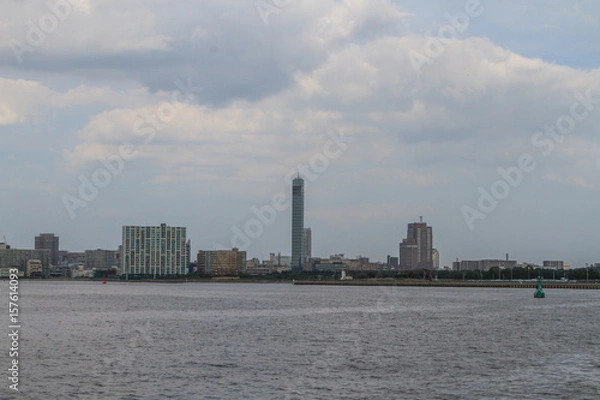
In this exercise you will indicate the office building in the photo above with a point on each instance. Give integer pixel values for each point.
(221, 262)
(297, 224)
(16, 258)
(154, 251)
(392, 262)
(100, 259)
(435, 258)
(47, 241)
(408, 257)
(417, 249)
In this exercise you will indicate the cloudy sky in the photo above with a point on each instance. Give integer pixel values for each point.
(483, 117)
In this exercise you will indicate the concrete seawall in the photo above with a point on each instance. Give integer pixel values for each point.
(486, 284)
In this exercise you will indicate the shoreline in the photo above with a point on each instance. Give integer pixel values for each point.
(476, 284)
(367, 282)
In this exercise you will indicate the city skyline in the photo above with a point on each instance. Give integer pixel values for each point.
(491, 137)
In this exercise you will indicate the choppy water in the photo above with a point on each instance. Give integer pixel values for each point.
(279, 341)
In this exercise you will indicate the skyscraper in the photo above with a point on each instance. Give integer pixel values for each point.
(416, 250)
(154, 251)
(47, 241)
(297, 224)
(307, 247)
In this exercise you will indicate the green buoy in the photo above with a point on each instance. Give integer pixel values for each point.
(539, 292)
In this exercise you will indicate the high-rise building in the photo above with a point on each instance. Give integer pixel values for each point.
(435, 258)
(392, 262)
(416, 250)
(154, 251)
(409, 254)
(307, 247)
(297, 224)
(47, 241)
(222, 262)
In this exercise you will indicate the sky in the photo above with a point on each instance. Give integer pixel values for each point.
(480, 116)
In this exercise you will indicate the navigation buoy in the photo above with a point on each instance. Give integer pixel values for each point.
(539, 292)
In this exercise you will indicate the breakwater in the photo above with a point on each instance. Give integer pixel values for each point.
(426, 283)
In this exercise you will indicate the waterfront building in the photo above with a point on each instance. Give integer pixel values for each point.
(297, 224)
(34, 268)
(17, 258)
(47, 241)
(483, 265)
(416, 250)
(553, 264)
(100, 259)
(154, 251)
(221, 262)
(338, 262)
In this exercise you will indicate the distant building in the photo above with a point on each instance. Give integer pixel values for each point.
(221, 262)
(16, 258)
(100, 259)
(409, 254)
(277, 260)
(483, 265)
(72, 258)
(339, 262)
(554, 264)
(306, 248)
(297, 224)
(4, 246)
(416, 249)
(154, 251)
(392, 262)
(34, 268)
(435, 258)
(47, 241)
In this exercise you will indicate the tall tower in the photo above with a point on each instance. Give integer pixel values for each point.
(307, 247)
(297, 224)
(417, 249)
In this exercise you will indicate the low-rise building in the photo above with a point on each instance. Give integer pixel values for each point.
(553, 264)
(221, 262)
(34, 268)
